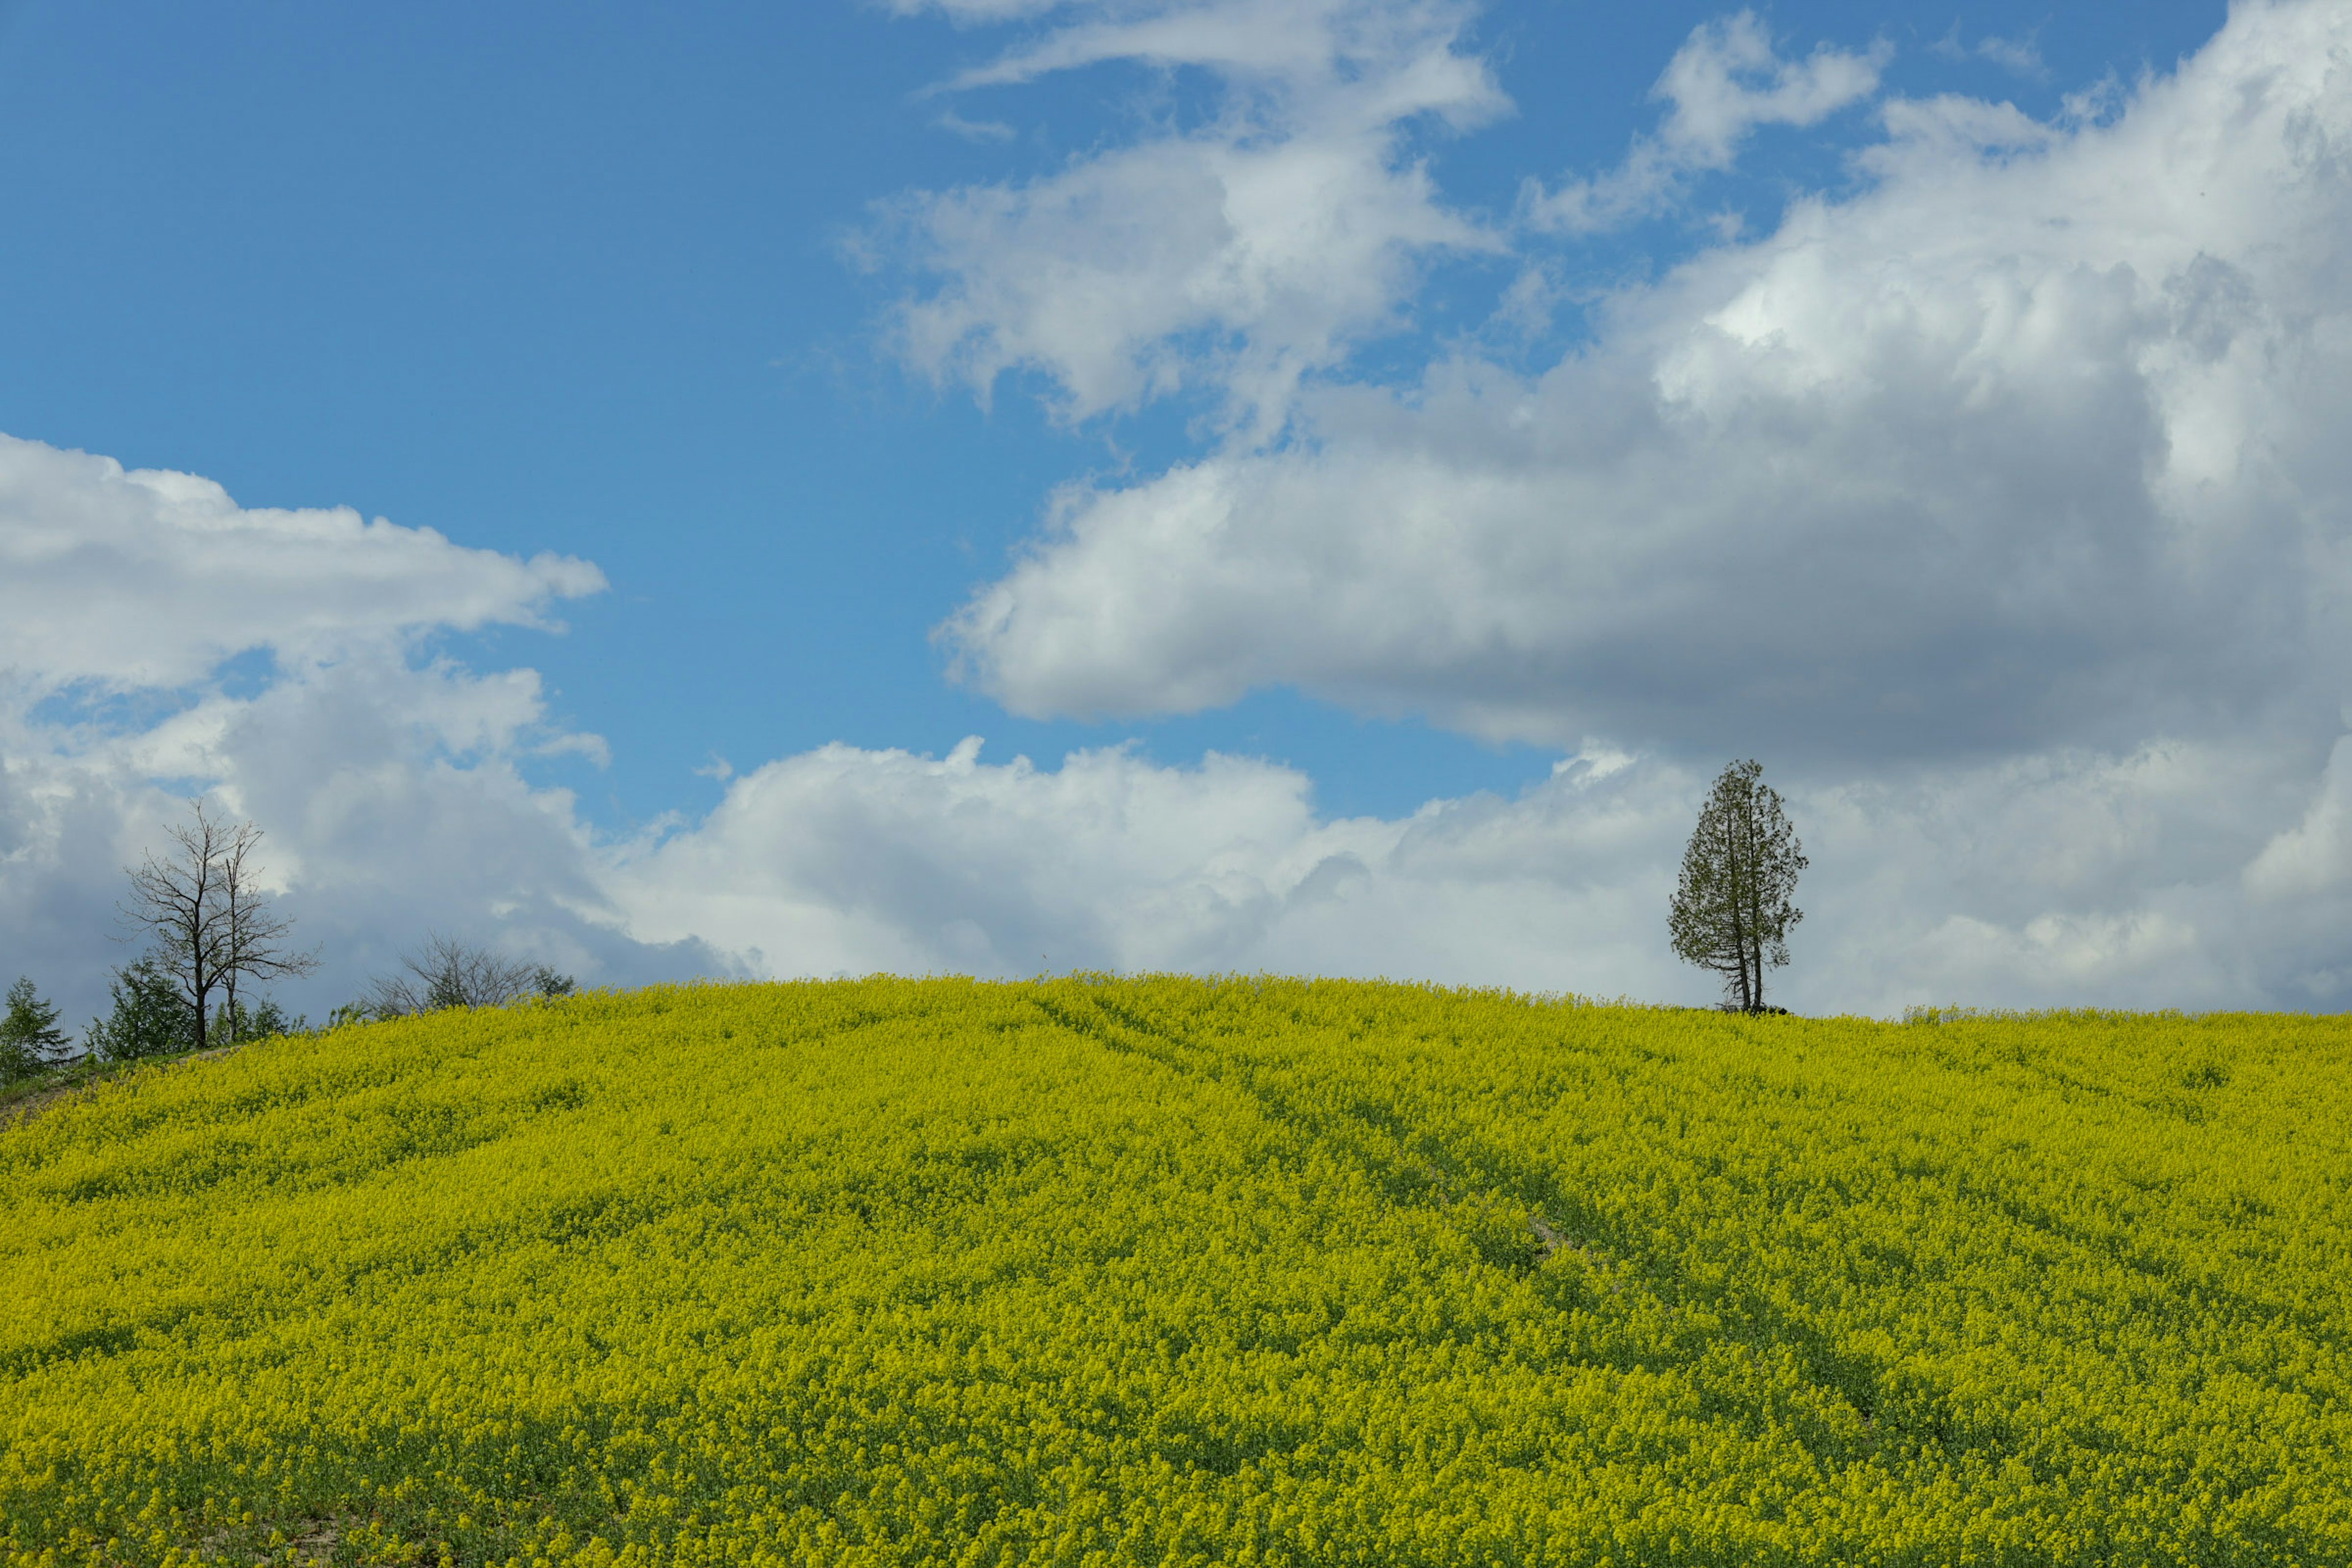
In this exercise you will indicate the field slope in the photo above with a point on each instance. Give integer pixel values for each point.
(1168, 1270)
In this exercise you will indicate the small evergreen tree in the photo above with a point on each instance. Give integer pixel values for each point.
(150, 1016)
(1731, 911)
(30, 1039)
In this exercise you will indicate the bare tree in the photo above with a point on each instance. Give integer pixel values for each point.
(253, 937)
(1731, 911)
(209, 924)
(449, 972)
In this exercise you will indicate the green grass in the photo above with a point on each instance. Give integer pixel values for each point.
(38, 1088)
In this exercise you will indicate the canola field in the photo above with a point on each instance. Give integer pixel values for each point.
(1164, 1270)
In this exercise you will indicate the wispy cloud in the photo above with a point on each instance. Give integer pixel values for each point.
(2022, 56)
(955, 124)
(1727, 80)
(1234, 258)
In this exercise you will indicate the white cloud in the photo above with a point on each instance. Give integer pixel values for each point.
(2031, 445)
(1237, 258)
(1291, 50)
(850, 859)
(1998, 510)
(2022, 56)
(979, 11)
(390, 784)
(396, 799)
(2066, 878)
(974, 130)
(1726, 80)
(167, 576)
(2313, 856)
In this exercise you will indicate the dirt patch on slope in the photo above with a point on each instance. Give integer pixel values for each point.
(23, 1108)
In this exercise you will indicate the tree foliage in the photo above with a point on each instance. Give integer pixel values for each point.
(149, 1018)
(260, 1021)
(1732, 909)
(30, 1039)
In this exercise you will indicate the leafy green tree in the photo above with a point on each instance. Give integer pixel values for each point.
(1732, 912)
(235, 1020)
(150, 1016)
(30, 1039)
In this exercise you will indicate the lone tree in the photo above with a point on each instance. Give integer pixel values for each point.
(209, 923)
(1731, 911)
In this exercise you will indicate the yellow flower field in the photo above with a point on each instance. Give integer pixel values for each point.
(1168, 1270)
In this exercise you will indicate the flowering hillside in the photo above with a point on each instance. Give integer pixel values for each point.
(1168, 1270)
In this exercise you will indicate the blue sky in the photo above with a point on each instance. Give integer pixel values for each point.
(583, 278)
(651, 292)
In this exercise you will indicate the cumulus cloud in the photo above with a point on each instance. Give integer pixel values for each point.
(166, 576)
(391, 784)
(1237, 257)
(2071, 879)
(844, 858)
(2029, 444)
(396, 795)
(1996, 508)
(1727, 80)
(1998, 505)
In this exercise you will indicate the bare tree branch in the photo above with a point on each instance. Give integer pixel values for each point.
(175, 899)
(209, 925)
(254, 936)
(449, 972)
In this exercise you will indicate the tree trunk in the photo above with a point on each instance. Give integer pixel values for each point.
(1743, 875)
(1753, 957)
(1756, 907)
(232, 885)
(1739, 950)
(202, 976)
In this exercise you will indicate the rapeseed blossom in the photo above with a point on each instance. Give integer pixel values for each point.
(1172, 1270)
